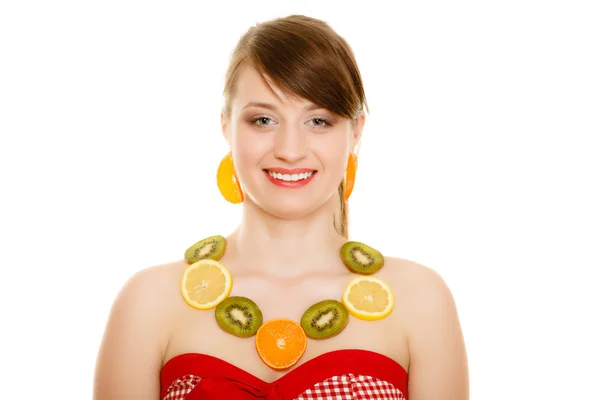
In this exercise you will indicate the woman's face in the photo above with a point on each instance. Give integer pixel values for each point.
(290, 155)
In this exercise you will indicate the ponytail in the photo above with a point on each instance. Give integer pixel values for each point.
(340, 214)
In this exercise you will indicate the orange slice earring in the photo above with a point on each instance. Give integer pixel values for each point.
(227, 181)
(350, 175)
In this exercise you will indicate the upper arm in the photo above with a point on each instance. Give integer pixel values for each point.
(438, 361)
(130, 357)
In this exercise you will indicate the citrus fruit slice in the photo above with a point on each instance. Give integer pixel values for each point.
(205, 284)
(368, 298)
(280, 343)
(227, 181)
(350, 175)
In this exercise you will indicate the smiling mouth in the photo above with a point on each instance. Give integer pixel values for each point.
(290, 177)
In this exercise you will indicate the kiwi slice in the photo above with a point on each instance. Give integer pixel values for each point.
(212, 247)
(360, 258)
(239, 316)
(324, 319)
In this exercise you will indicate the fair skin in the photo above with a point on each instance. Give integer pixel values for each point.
(284, 256)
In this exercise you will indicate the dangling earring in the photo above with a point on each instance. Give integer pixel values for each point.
(350, 175)
(227, 181)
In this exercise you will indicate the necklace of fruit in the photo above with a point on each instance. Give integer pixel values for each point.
(206, 284)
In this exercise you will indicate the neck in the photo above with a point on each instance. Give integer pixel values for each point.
(286, 248)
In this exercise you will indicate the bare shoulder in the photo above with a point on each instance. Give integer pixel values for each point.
(404, 268)
(421, 293)
(438, 360)
(420, 284)
(152, 285)
(136, 334)
(149, 294)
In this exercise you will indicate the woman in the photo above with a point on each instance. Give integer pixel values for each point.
(293, 116)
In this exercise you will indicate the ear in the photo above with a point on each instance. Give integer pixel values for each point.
(357, 130)
(225, 127)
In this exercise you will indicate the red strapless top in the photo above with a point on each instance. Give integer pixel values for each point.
(343, 374)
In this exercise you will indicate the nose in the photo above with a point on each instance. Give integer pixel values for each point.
(290, 144)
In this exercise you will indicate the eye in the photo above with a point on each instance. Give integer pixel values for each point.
(262, 121)
(320, 122)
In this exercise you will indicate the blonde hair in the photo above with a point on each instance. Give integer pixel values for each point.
(306, 57)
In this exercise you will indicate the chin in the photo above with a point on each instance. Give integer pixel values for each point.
(288, 208)
(290, 203)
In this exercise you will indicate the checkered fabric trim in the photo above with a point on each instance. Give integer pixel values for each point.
(352, 387)
(181, 387)
(344, 387)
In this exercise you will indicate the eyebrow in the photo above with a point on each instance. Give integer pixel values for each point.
(270, 106)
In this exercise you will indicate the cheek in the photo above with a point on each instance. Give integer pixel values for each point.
(248, 147)
(333, 151)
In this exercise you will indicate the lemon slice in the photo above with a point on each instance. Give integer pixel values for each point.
(368, 298)
(205, 284)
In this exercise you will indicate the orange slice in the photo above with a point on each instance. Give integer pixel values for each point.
(350, 175)
(280, 343)
(368, 298)
(205, 284)
(228, 182)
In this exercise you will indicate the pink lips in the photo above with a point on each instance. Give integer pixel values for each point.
(290, 184)
(290, 171)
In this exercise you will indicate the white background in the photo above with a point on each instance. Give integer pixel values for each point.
(480, 155)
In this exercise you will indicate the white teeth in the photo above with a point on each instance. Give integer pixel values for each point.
(288, 177)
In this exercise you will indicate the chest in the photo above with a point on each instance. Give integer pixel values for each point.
(288, 298)
(197, 331)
